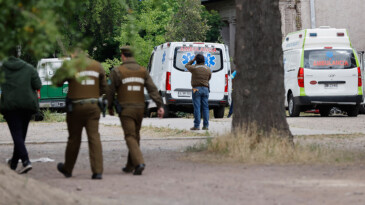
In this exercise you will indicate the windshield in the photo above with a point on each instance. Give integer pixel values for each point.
(213, 57)
(50, 67)
(329, 59)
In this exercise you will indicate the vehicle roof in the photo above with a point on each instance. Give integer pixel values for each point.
(317, 38)
(43, 60)
(189, 44)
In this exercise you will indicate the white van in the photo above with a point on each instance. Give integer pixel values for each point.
(173, 80)
(321, 70)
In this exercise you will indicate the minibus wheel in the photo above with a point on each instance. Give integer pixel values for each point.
(39, 116)
(362, 109)
(219, 112)
(353, 111)
(294, 110)
(325, 111)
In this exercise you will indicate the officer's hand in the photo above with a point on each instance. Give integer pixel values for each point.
(160, 112)
(111, 111)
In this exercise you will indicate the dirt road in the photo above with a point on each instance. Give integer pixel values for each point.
(171, 179)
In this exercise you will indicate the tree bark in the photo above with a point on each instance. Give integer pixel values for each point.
(258, 90)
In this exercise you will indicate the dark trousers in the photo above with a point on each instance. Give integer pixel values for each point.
(18, 122)
(131, 119)
(85, 115)
(230, 110)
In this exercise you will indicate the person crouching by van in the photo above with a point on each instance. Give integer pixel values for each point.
(128, 82)
(19, 102)
(83, 111)
(200, 76)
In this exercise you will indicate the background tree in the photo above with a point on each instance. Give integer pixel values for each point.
(187, 23)
(98, 23)
(259, 83)
(31, 24)
(144, 27)
(215, 23)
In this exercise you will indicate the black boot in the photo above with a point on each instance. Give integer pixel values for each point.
(139, 169)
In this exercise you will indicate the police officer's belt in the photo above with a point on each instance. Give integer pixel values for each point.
(85, 101)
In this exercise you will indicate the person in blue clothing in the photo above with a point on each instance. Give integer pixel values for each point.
(231, 108)
(200, 76)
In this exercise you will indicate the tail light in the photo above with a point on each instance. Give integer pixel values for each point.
(226, 85)
(301, 77)
(168, 81)
(39, 94)
(359, 81)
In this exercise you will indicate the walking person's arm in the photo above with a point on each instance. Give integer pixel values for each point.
(36, 81)
(189, 65)
(114, 84)
(154, 94)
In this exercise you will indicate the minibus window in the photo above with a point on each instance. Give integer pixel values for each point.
(52, 67)
(329, 59)
(213, 57)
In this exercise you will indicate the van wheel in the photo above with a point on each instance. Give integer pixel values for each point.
(325, 111)
(362, 109)
(219, 112)
(147, 112)
(353, 111)
(39, 116)
(294, 110)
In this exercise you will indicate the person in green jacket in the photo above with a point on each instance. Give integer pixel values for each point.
(18, 103)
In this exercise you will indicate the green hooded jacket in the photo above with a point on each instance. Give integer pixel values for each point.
(19, 91)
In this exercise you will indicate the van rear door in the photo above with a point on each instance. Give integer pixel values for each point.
(181, 77)
(330, 72)
(52, 91)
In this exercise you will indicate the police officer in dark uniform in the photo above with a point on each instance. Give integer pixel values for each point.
(83, 111)
(128, 82)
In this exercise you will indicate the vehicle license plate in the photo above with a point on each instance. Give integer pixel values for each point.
(184, 94)
(330, 85)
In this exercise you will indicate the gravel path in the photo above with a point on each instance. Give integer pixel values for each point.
(172, 179)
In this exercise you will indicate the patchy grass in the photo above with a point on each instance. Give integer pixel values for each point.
(168, 132)
(330, 136)
(275, 150)
(2, 118)
(53, 116)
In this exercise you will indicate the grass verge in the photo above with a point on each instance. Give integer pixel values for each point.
(168, 132)
(274, 150)
(53, 116)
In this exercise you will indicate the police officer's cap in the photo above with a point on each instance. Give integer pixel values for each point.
(126, 50)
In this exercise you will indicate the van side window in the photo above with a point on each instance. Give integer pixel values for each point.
(150, 63)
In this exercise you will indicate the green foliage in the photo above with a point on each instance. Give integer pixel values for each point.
(42, 27)
(2, 118)
(70, 69)
(108, 64)
(31, 24)
(98, 23)
(50, 116)
(187, 23)
(214, 21)
(144, 28)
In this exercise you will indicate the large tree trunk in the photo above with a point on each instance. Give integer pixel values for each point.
(258, 93)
